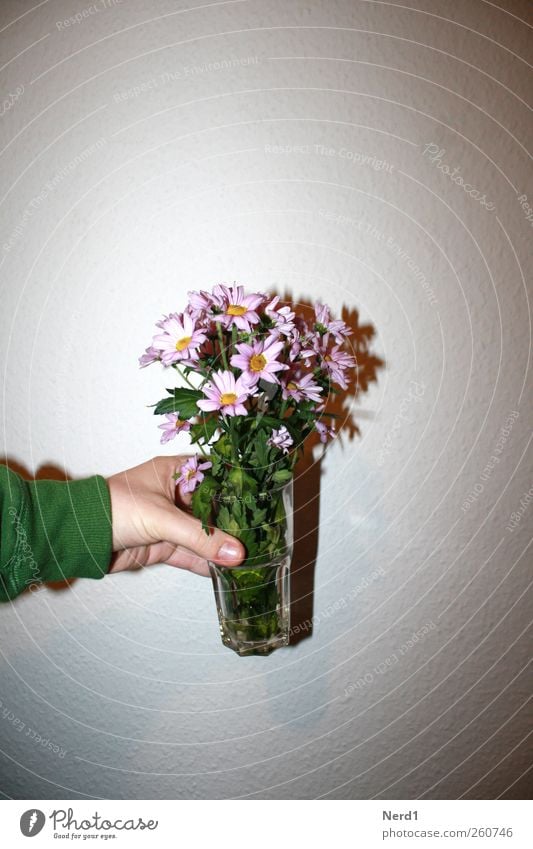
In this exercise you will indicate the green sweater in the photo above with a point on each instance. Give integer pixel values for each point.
(52, 530)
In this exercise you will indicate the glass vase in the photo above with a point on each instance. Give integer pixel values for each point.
(252, 599)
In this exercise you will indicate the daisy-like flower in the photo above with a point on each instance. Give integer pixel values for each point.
(324, 323)
(282, 318)
(302, 389)
(200, 302)
(237, 309)
(281, 439)
(324, 431)
(258, 360)
(151, 355)
(191, 474)
(180, 339)
(172, 426)
(335, 363)
(226, 394)
(315, 345)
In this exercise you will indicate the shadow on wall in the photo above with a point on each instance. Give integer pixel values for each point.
(307, 481)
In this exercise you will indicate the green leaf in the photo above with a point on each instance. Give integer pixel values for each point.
(202, 499)
(242, 481)
(183, 402)
(258, 517)
(204, 429)
(166, 405)
(282, 476)
(223, 446)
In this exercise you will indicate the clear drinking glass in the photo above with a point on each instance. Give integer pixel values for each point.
(252, 599)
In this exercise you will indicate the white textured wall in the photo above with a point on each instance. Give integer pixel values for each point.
(178, 186)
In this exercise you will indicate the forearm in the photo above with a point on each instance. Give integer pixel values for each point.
(52, 530)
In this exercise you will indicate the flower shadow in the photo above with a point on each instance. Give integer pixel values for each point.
(344, 406)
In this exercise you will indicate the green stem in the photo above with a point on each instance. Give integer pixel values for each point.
(222, 346)
(201, 447)
(186, 379)
(233, 442)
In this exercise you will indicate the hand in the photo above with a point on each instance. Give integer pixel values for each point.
(149, 528)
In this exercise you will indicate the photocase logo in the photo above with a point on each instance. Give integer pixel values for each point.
(31, 822)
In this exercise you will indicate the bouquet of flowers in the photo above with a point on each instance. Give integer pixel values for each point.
(255, 381)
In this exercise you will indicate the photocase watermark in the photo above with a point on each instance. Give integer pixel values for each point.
(416, 391)
(10, 716)
(353, 156)
(367, 228)
(527, 209)
(87, 12)
(359, 224)
(183, 73)
(338, 604)
(9, 101)
(47, 190)
(419, 275)
(436, 154)
(66, 825)
(32, 822)
(389, 662)
(492, 462)
(247, 498)
(517, 515)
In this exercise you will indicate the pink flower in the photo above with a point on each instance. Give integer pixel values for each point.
(324, 431)
(180, 339)
(226, 394)
(315, 345)
(324, 323)
(282, 318)
(281, 439)
(335, 363)
(302, 388)
(200, 302)
(191, 474)
(172, 426)
(237, 308)
(258, 360)
(151, 355)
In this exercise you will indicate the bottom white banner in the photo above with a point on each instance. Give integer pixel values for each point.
(356, 823)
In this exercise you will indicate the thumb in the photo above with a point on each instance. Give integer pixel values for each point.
(180, 528)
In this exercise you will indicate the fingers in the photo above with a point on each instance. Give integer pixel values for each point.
(162, 552)
(182, 558)
(181, 529)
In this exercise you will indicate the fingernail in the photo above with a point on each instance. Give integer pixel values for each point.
(228, 551)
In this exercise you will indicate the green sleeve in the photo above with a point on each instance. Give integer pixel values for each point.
(52, 530)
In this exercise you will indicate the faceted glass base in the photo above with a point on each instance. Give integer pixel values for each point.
(253, 606)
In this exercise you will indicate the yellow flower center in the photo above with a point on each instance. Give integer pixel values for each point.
(291, 385)
(183, 342)
(228, 398)
(236, 309)
(257, 362)
(178, 422)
